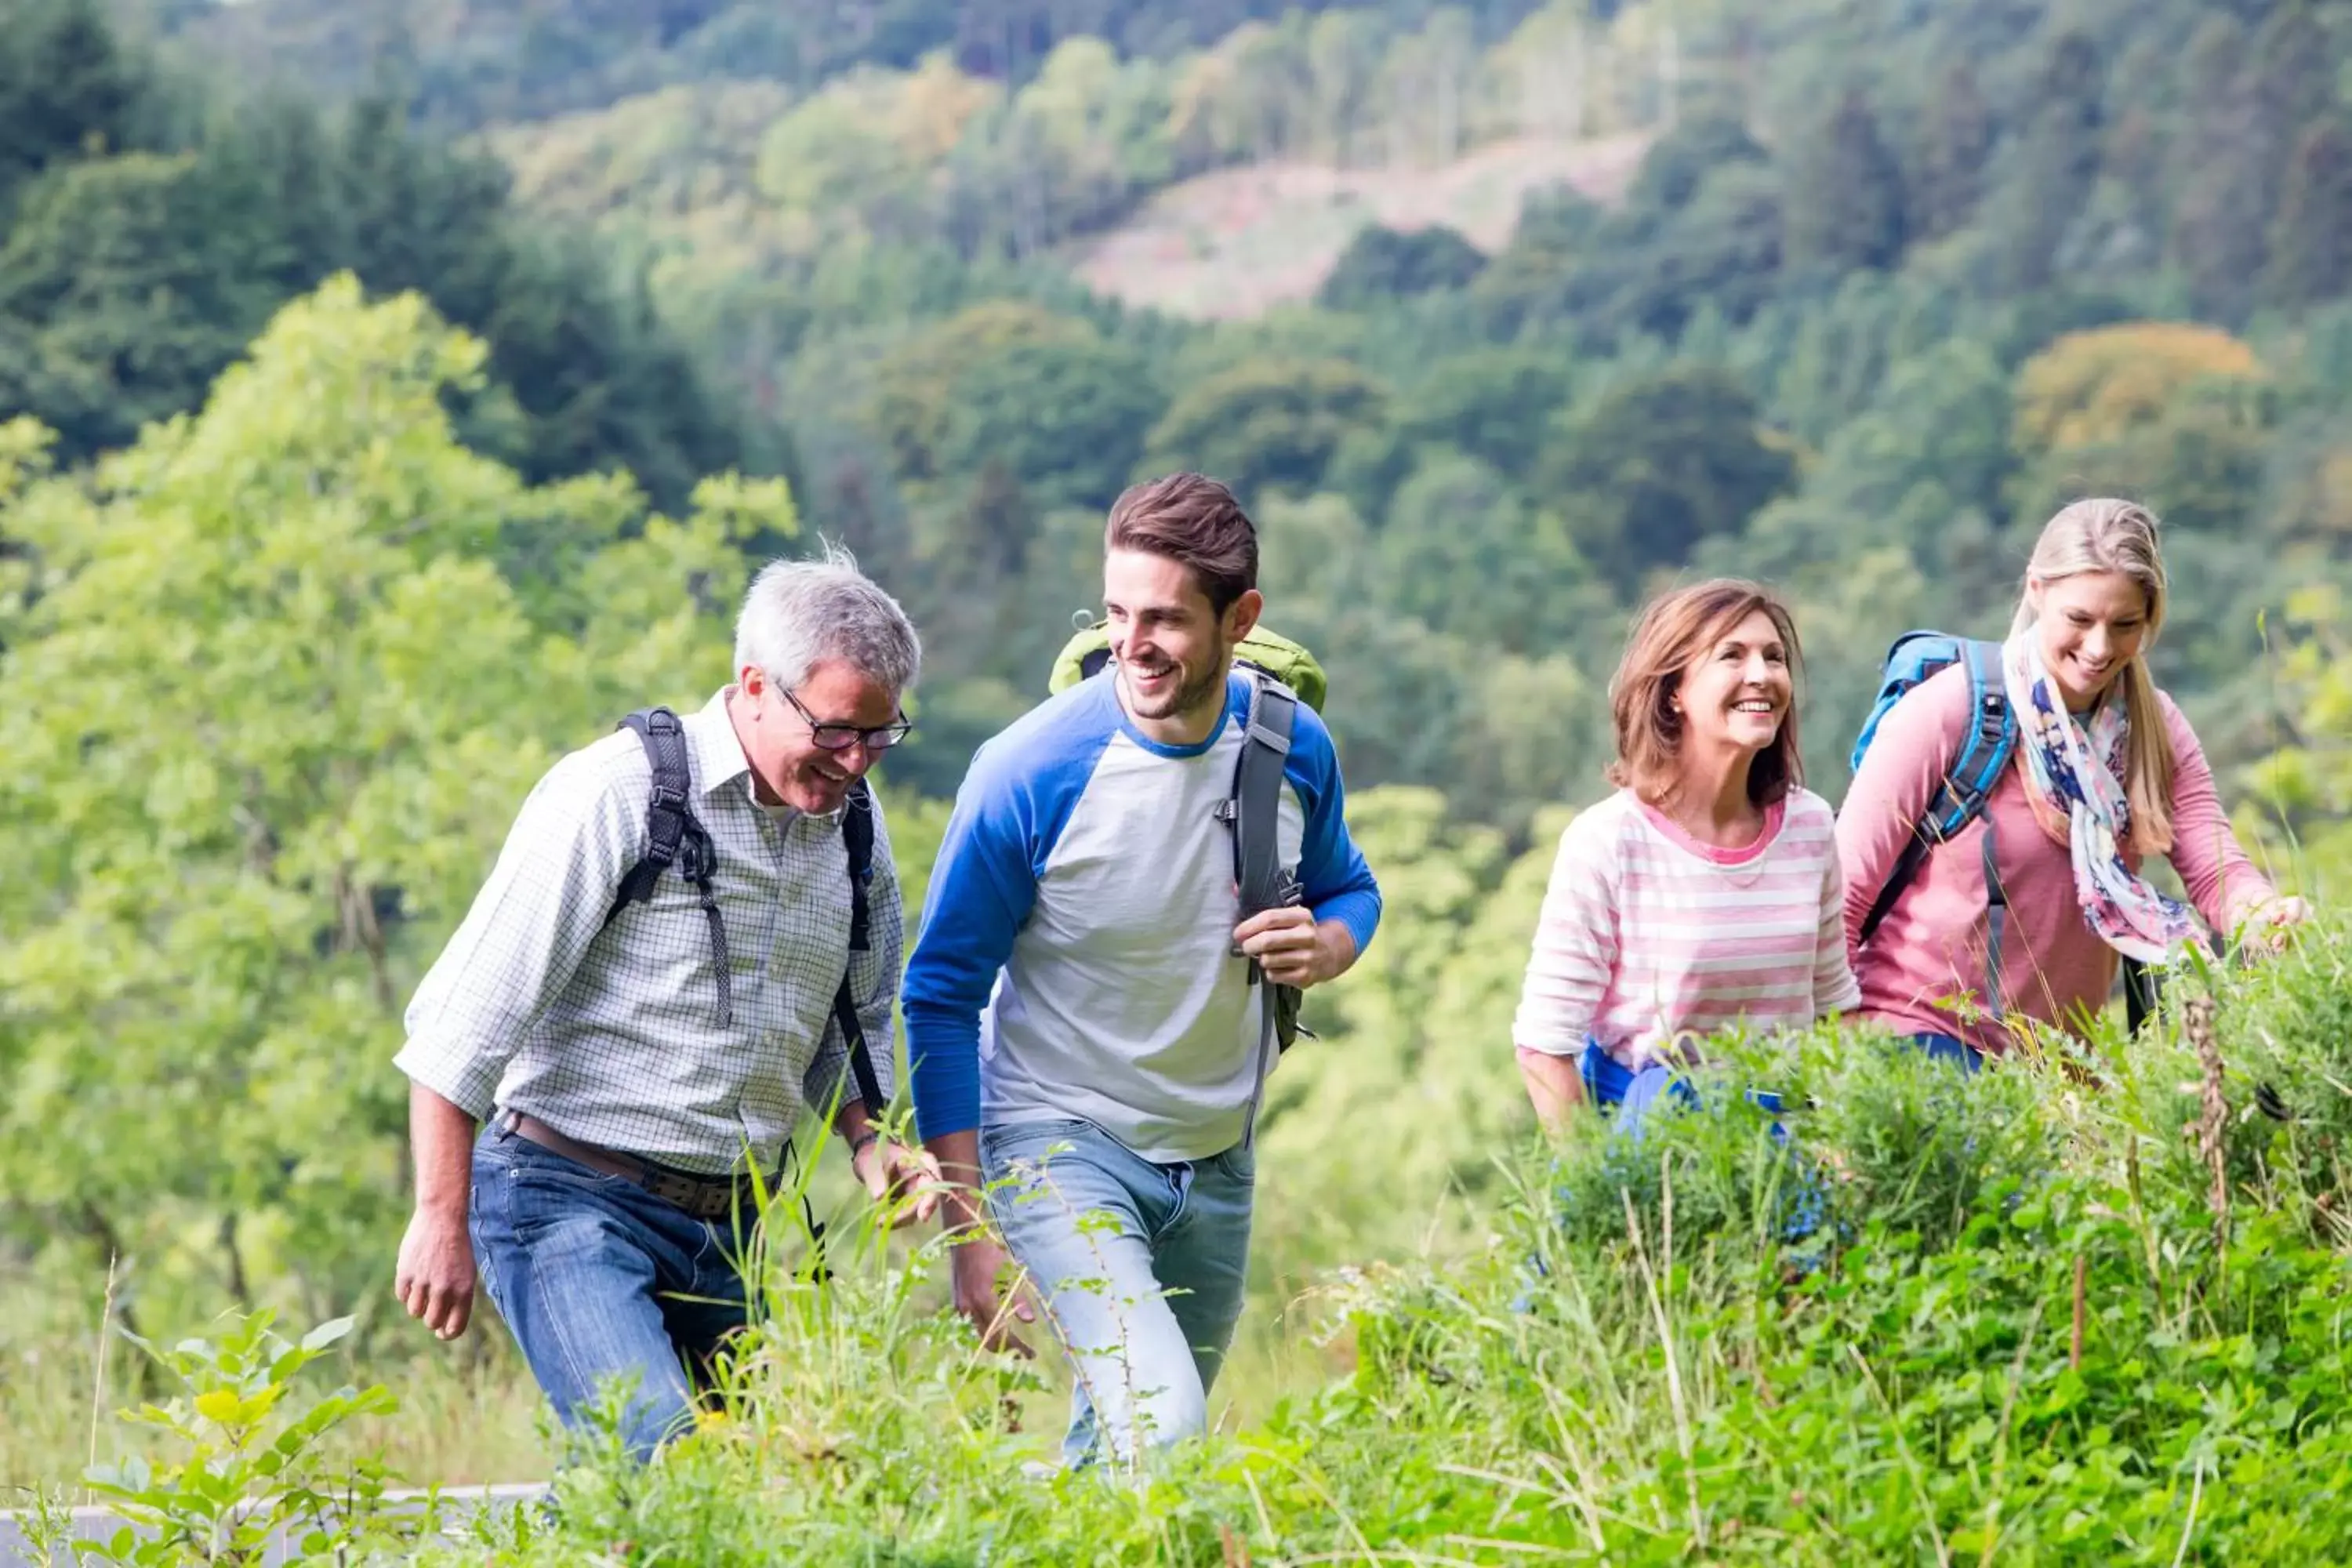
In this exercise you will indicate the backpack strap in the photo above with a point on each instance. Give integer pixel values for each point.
(1257, 801)
(858, 837)
(1986, 747)
(673, 837)
(1255, 813)
(2140, 985)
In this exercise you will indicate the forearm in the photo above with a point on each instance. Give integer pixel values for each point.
(1555, 1086)
(1337, 940)
(959, 1157)
(441, 1143)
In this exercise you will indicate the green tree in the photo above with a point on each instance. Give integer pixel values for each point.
(2057, 162)
(1495, 404)
(1266, 423)
(262, 727)
(2311, 239)
(125, 284)
(2222, 172)
(1383, 264)
(66, 88)
(1844, 201)
(1662, 463)
(1463, 552)
(914, 387)
(1067, 417)
(1956, 140)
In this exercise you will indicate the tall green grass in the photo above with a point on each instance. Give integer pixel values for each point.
(2024, 1323)
(2018, 1331)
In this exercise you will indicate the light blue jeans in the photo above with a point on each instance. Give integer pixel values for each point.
(1140, 1265)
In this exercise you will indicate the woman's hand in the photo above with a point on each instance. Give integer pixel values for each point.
(2269, 926)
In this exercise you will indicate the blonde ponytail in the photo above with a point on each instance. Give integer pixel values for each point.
(2119, 536)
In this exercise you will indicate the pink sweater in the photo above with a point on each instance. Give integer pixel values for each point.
(1930, 949)
(1647, 934)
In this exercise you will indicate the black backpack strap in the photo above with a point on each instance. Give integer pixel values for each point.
(2140, 985)
(1977, 766)
(673, 838)
(857, 838)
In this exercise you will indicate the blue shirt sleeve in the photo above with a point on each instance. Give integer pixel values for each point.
(1010, 810)
(1338, 882)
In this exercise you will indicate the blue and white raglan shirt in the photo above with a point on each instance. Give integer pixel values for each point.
(1077, 957)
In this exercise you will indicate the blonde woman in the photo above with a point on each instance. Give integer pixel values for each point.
(1705, 892)
(2107, 772)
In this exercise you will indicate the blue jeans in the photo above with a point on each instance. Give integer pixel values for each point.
(1140, 1264)
(1632, 1095)
(1950, 1049)
(598, 1279)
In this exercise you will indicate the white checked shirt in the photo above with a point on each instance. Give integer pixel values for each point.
(611, 1034)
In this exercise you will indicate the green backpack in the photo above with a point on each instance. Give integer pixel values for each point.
(1089, 650)
(1286, 674)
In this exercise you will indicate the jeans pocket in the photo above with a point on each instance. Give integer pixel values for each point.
(1031, 1141)
(534, 1166)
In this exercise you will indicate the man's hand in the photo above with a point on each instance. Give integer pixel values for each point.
(434, 1276)
(1293, 948)
(978, 1262)
(893, 1175)
(435, 1279)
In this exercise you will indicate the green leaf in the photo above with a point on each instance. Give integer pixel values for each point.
(326, 1333)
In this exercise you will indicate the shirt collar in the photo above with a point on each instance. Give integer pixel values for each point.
(718, 758)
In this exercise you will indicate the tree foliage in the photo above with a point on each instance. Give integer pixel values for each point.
(269, 700)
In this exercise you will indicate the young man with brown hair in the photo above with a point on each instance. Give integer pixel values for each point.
(1085, 1013)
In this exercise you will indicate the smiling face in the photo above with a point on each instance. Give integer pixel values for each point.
(790, 767)
(1735, 693)
(1170, 646)
(2090, 626)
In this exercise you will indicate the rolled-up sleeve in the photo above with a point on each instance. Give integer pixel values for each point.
(1836, 990)
(1574, 949)
(523, 937)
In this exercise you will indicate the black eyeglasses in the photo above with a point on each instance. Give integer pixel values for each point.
(835, 737)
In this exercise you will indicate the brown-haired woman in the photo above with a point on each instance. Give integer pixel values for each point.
(1705, 892)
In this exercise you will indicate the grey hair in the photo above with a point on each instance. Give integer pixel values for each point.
(798, 615)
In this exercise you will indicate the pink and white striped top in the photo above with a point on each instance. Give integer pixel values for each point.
(1648, 935)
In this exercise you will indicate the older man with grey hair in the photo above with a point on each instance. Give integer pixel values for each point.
(675, 955)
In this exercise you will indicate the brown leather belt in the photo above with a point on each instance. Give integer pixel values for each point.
(704, 1197)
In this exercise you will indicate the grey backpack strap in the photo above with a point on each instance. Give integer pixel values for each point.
(1257, 801)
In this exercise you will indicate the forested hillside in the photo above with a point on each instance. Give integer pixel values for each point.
(390, 395)
(1885, 286)
(154, 219)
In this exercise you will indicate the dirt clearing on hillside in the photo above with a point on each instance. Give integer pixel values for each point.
(1232, 243)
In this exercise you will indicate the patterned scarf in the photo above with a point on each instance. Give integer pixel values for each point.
(2077, 771)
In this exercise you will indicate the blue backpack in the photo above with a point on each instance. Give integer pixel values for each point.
(1985, 751)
